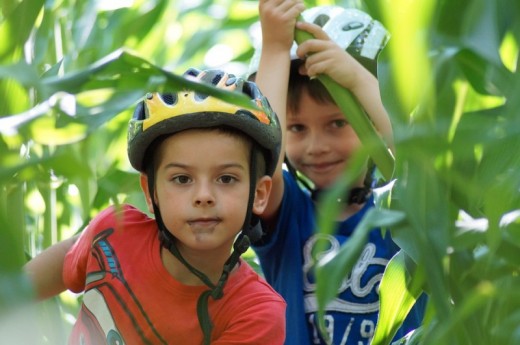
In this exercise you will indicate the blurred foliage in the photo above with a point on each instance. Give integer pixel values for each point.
(70, 70)
(449, 78)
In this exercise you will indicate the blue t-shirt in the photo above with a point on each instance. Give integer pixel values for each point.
(286, 261)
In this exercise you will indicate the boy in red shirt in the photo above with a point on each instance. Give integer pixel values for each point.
(206, 169)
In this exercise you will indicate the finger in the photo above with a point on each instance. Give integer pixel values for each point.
(320, 63)
(285, 5)
(313, 29)
(302, 69)
(311, 70)
(312, 67)
(292, 9)
(311, 46)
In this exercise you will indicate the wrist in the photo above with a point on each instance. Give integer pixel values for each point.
(361, 79)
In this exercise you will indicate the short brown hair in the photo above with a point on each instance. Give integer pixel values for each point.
(298, 83)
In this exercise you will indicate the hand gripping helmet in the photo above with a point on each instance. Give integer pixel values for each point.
(160, 115)
(351, 29)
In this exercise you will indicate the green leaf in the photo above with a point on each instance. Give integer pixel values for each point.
(399, 289)
(21, 71)
(16, 27)
(124, 70)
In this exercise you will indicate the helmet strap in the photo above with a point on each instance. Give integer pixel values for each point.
(356, 195)
(249, 232)
(296, 176)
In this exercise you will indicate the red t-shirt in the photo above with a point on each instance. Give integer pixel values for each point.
(130, 298)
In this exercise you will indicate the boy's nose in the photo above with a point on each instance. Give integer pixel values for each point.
(317, 144)
(204, 195)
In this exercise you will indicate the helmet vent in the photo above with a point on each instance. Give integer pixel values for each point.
(321, 20)
(352, 26)
(169, 98)
(200, 96)
(192, 72)
(231, 81)
(216, 79)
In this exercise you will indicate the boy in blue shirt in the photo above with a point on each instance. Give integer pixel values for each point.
(318, 142)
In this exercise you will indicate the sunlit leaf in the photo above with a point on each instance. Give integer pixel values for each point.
(400, 287)
(16, 27)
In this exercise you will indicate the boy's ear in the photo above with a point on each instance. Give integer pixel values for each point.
(146, 191)
(262, 192)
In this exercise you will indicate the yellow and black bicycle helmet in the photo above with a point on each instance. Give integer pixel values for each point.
(168, 113)
(160, 115)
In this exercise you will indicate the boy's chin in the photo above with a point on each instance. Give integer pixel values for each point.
(322, 182)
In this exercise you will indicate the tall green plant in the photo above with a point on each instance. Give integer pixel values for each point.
(450, 81)
(69, 71)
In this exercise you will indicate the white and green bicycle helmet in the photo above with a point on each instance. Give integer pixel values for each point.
(352, 29)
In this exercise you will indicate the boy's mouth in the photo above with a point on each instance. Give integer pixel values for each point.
(204, 223)
(321, 167)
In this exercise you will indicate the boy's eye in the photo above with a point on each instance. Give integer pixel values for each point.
(181, 179)
(339, 123)
(226, 179)
(295, 128)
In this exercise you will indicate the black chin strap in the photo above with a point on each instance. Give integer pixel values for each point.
(251, 232)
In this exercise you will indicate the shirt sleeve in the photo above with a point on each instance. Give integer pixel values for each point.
(76, 260)
(293, 213)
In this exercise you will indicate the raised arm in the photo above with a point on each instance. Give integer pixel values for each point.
(278, 19)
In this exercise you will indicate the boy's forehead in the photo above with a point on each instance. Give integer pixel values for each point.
(190, 139)
(310, 103)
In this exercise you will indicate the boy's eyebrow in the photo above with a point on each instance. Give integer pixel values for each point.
(222, 166)
(335, 114)
(175, 165)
